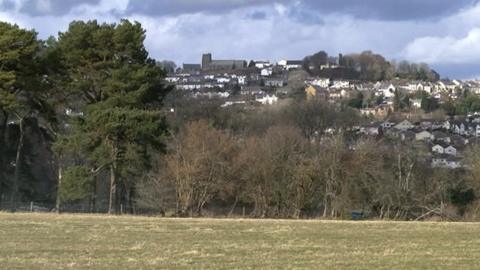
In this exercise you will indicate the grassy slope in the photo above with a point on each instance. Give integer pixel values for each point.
(44, 241)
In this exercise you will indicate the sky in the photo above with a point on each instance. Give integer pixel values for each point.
(443, 33)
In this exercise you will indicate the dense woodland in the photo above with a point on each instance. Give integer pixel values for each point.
(85, 118)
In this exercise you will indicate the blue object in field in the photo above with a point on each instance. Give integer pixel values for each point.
(356, 215)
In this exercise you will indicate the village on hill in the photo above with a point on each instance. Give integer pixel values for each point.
(414, 110)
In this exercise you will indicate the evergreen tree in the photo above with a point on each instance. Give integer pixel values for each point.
(397, 101)
(23, 92)
(119, 91)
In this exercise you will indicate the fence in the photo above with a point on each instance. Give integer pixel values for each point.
(70, 208)
(102, 208)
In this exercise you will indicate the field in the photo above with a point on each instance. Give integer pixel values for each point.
(48, 241)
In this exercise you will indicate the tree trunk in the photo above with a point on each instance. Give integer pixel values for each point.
(131, 201)
(113, 189)
(59, 186)
(3, 131)
(18, 165)
(94, 195)
(233, 206)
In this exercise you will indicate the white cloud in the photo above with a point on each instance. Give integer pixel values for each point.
(456, 40)
(43, 6)
(281, 9)
(441, 50)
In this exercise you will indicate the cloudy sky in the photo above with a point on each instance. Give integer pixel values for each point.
(442, 33)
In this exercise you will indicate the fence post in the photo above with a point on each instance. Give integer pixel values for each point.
(243, 212)
(121, 209)
(31, 206)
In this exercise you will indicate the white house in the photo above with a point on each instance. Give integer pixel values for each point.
(428, 88)
(412, 87)
(416, 103)
(242, 80)
(262, 64)
(443, 161)
(290, 64)
(172, 79)
(387, 91)
(212, 94)
(387, 124)
(275, 82)
(437, 148)
(371, 130)
(459, 128)
(424, 136)
(340, 84)
(447, 125)
(266, 72)
(452, 151)
(268, 100)
(477, 131)
(321, 82)
(404, 125)
(223, 80)
(230, 103)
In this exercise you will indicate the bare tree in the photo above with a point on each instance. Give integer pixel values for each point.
(198, 165)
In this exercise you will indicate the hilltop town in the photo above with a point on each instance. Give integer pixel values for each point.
(440, 114)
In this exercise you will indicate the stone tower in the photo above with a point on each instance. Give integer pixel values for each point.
(206, 60)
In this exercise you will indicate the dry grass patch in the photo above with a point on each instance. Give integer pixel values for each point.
(48, 241)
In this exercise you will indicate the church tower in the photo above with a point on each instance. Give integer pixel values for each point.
(206, 60)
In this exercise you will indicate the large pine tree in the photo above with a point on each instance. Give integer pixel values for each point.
(116, 91)
(23, 94)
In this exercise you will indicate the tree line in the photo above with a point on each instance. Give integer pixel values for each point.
(87, 118)
(366, 66)
(300, 160)
(95, 94)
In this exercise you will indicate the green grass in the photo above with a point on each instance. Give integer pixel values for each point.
(48, 241)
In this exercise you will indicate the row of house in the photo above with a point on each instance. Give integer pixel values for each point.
(445, 139)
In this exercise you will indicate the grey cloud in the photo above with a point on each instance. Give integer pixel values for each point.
(258, 15)
(309, 11)
(369, 9)
(55, 7)
(169, 7)
(390, 9)
(7, 5)
(305, 16)
(464, 71)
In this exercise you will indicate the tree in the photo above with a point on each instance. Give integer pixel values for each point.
(155, 193)
(449, 107)
(314, 117)
(119, 91)
(397, 101)
(357, 101)
(168, 66)
(76, 184)
(276, 173)
(472, 162)
(314, 62)
(428, 104)
(332, 173)
(22, 94)
(198, 165)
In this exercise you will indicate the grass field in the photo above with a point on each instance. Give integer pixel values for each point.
(48, 241)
